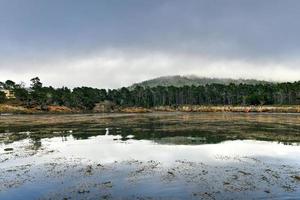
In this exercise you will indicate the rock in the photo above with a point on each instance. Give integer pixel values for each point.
(107, 184)
(171, 173)
(297, 178)
(8, 149)
(81, 191)
(104, 107)
(244, 173)
(89, 169)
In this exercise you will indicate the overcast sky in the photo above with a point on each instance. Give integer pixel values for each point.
(114, 43)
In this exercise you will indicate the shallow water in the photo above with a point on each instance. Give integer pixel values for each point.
(150, 156)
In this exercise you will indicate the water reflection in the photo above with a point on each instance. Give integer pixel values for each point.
(173, 128)
(110, 148)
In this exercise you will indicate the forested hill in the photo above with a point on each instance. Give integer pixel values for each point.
(179, 81)
(85, 98)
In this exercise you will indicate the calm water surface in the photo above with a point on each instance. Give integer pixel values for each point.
(150, 156)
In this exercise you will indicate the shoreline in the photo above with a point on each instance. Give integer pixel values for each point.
(15, 109)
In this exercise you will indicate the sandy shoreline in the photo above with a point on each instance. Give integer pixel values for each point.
(15, 109)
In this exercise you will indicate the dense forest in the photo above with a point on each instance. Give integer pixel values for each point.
(210, 94)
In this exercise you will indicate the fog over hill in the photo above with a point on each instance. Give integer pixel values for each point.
(180, 81)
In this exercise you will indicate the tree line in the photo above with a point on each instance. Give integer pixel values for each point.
(212, 94)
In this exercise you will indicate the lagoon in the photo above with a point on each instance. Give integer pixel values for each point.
(150, 156)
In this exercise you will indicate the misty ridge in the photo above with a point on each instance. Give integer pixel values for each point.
(192, 80)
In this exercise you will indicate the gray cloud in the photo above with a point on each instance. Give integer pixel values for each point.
(114, 43)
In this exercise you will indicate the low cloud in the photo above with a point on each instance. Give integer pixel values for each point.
(114, 69)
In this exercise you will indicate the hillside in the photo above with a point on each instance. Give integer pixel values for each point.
(179, 81)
